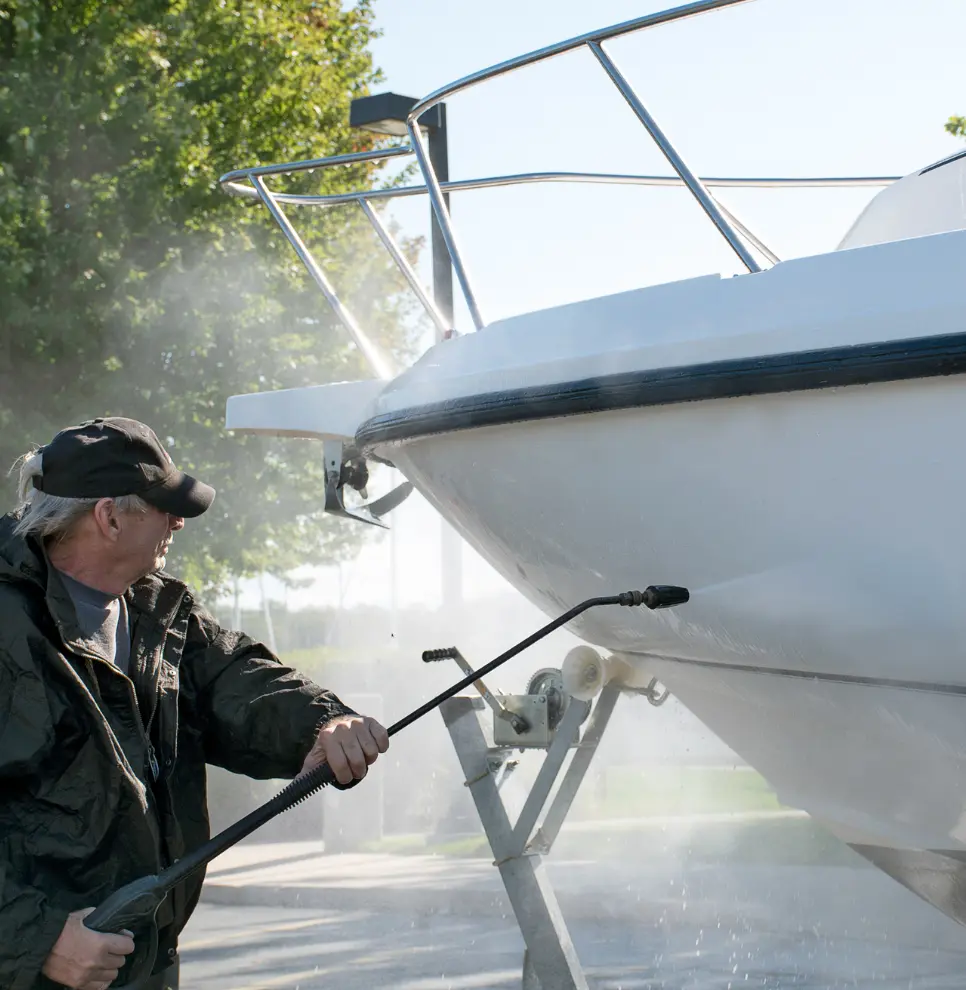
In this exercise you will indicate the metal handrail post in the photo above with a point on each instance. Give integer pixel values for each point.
(693, 183)
(389, 243)
(379, 363)
(744, 229)
(443, 218)
(438, 148)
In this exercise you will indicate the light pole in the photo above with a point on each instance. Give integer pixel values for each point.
(386, 114)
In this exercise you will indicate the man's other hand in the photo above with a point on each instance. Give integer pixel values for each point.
(348, 744)
(84, 959)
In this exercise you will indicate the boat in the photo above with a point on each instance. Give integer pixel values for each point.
(780, 442)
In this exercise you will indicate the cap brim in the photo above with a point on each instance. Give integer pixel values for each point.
(180, 495)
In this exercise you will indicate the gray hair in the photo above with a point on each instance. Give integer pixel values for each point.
(52, 516)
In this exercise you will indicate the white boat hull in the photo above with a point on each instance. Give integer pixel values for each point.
(821, 531)
(817, 532)
(813, 505)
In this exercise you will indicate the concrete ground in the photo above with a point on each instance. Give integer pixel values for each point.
(277, 949)
(642, 914)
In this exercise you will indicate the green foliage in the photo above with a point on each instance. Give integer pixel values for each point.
(956, 126)
(131, 284)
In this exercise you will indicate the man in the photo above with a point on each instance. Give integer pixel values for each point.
(116, 689)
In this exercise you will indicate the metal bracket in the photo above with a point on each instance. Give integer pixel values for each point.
(656, 695)
(525, 724)
(343, 466)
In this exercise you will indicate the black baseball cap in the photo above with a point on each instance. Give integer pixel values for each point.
(114, 456)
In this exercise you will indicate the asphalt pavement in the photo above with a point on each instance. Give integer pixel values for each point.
(286, 915)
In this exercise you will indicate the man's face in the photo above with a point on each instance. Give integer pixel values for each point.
(145, 538)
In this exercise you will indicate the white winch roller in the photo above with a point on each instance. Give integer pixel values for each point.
(585, 672)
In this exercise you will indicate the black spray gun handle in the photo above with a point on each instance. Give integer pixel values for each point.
(135, 905)
(129, 908)
(133, 909)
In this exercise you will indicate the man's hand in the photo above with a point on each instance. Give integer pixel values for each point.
(348, 744)
(84, 959)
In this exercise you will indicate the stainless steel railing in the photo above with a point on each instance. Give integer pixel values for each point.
(593, 40)
(739, 237)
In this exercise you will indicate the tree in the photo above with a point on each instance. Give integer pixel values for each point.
(131, 284)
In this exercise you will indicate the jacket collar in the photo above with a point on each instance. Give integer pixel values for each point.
(24, 561)
(158, 596)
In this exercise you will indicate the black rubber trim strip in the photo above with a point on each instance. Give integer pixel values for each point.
(853, 364)
(929, 687)
(945, 161)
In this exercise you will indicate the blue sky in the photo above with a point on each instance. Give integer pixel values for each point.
(771, 87)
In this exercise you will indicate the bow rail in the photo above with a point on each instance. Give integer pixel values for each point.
(250, 182)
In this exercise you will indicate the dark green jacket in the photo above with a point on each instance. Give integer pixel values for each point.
(79, 812)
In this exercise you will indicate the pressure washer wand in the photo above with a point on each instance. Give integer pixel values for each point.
(136, 903)
(656, 596)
